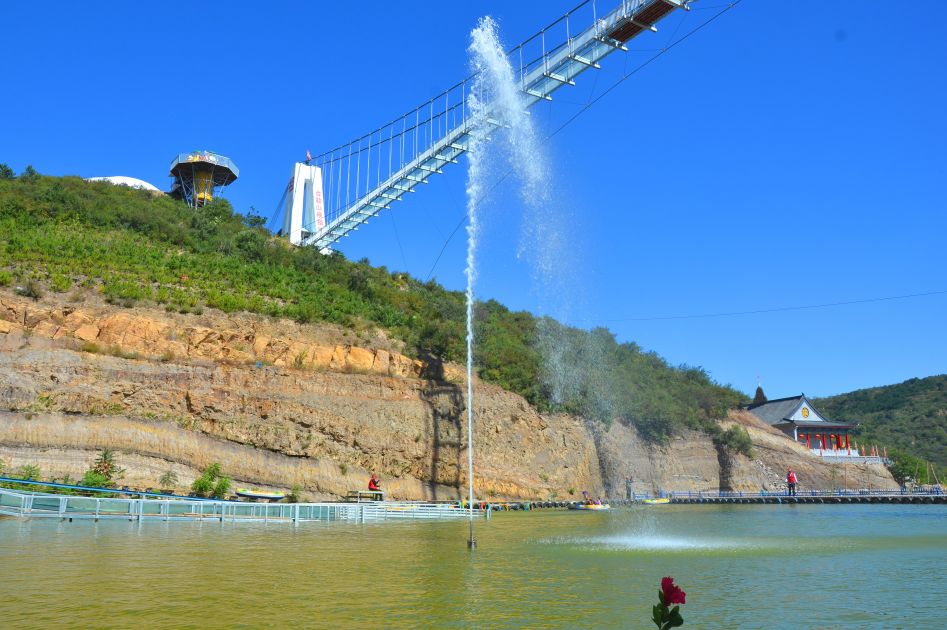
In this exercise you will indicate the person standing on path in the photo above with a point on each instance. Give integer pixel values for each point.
(791, 482)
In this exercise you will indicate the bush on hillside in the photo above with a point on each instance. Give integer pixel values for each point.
(144, 248)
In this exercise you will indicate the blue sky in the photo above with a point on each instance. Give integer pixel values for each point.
(789, 154)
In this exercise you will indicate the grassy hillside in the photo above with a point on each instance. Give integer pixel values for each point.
(68, 236)
(910, 416)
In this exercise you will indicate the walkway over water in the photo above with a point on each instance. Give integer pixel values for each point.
(820, 497)
(63, 507)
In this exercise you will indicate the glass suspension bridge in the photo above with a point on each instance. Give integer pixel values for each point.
(336, 192)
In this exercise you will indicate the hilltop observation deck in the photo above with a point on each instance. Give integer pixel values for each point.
(198, 176)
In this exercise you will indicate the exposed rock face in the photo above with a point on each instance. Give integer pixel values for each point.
(692, 463)
(234, 339)
(278, 426)
(278, 404)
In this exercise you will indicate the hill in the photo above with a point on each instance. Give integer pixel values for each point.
(909, 416)
(135, 248)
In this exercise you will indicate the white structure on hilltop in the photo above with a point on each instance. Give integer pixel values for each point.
(305, 212)
(121, 180)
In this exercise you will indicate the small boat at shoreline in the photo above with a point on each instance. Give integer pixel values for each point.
(249, 493)
(589, 506)
(658, 501)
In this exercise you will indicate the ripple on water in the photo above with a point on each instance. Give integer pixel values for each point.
(663, 543)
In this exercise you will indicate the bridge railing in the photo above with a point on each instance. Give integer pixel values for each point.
(365, 175)
(935, 490)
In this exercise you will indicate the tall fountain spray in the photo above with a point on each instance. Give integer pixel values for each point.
(495, 94)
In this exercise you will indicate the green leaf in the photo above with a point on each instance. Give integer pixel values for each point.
(656, 615)
(675, 618)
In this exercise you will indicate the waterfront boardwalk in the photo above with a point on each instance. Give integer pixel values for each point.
(826, 498)
(822, 497)
(36, 505)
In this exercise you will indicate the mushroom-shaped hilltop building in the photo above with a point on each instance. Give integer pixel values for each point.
(199, 175)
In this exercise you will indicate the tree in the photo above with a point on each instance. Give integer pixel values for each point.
(6, 172)
(29, 173)
(211, 482)
(168, 481)
(221, 488)
(106, 466)
(759, 397)
(253, 220)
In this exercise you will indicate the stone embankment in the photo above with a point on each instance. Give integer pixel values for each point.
(279, 404)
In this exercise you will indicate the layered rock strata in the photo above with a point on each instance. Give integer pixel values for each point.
(278, 404)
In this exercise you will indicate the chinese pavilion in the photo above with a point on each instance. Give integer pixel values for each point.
(800, 420)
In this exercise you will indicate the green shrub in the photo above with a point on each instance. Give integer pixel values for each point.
(295, 495)
(6, 278)
(736, 439)
(168, 481)
(125, 293)
(221, 488)
(104, 471)
(90, 347)
(202, 486)
(60, 283)
(211, 482)
(93, 479)
(29, 472)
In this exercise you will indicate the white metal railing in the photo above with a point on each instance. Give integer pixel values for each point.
(367, 175)
(43, 505)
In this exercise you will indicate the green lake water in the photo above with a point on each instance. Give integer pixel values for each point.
(860, 566)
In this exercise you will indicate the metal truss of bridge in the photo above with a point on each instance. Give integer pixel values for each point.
(343, 188)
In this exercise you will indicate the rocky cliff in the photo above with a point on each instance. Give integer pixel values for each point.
(280, 404)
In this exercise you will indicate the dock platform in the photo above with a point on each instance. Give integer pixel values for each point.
(36, 505)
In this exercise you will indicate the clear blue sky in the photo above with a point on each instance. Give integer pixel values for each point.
(791, 153)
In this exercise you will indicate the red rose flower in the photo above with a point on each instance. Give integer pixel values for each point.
(672, 594)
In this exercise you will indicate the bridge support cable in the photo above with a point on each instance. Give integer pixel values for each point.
(365, 176)
(588, 105)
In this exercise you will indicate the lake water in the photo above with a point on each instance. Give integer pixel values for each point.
(859, 566)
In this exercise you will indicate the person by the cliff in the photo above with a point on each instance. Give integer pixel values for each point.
(373, 483)
(791, 482)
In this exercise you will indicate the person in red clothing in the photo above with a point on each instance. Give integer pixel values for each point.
(373, 483)
(791, 482)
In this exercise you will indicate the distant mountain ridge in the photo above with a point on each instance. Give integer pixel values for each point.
(911, 416)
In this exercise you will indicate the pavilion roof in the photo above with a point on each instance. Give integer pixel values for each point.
(787, 411)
